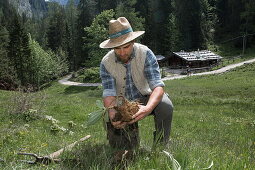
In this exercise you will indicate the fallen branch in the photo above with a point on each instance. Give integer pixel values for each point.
(53, 157)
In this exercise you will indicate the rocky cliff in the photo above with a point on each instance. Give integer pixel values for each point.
(39, 7)
(30, 8)
(22, 6)
(64, 2)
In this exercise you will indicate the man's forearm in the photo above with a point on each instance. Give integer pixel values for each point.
(155, 98)
(108, 102)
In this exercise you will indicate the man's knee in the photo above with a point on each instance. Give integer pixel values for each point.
(165, 108)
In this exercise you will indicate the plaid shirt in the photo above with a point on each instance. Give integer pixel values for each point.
(151, 72)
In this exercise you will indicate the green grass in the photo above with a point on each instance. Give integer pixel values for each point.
(231, 55)
(213, 121)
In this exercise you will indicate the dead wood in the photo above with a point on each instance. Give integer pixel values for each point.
(67, 148)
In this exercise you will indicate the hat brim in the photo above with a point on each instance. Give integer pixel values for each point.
(116, 42)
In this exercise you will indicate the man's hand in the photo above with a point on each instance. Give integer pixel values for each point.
(141, 114)
(118, 124)
(155, 98)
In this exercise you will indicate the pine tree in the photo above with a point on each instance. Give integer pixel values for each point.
(189, 14)
(8, 79)
(172, 36)
(165, 14)
(7, 13)
(146, 11)
(248, 17)
(247, 26)
(229, 15)
(208, 21)
(86, 12)
(19, 52)
(127, 9)
(57, 28)
(156, 14)
(7, 74)
(106, 4)
(71, 13)
(58, 33)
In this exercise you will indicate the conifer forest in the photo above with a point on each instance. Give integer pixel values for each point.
(41, 41)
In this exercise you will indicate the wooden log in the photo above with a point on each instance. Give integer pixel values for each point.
(56, 154)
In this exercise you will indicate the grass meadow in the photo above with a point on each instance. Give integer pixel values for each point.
(213, 126)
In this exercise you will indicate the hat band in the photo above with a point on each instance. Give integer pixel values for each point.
(123, 32)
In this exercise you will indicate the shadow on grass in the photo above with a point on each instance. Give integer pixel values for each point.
(78, 89)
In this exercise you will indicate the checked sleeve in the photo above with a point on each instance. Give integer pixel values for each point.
(152, 71)
(108, 82)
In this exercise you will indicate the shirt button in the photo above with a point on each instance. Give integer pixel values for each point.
(124, 78)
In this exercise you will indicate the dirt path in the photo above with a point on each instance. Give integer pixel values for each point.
(65, 80)
(221, 70)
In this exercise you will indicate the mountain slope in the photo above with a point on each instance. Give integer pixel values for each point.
(31, 8)
(23, 7)
(64, 2)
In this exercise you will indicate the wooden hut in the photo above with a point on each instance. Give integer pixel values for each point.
(194, 59)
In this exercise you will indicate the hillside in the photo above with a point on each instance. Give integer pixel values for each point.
(213, 123)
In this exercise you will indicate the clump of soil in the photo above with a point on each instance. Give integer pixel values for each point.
(125, 109)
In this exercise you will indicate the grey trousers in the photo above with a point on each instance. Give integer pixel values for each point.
(128, 138)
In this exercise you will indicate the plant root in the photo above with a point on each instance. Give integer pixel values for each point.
(125, 109)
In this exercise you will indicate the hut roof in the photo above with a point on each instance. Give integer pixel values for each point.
(197, 55)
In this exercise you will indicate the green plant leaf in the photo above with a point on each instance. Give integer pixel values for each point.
(100, 104)
(94, 117)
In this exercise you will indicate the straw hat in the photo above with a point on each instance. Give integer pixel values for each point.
(120, 33)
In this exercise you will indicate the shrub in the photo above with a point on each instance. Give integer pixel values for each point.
(46, 65)
(91, 75)
(23, 104)
(88, 75)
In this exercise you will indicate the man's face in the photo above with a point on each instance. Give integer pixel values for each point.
(123, 52)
